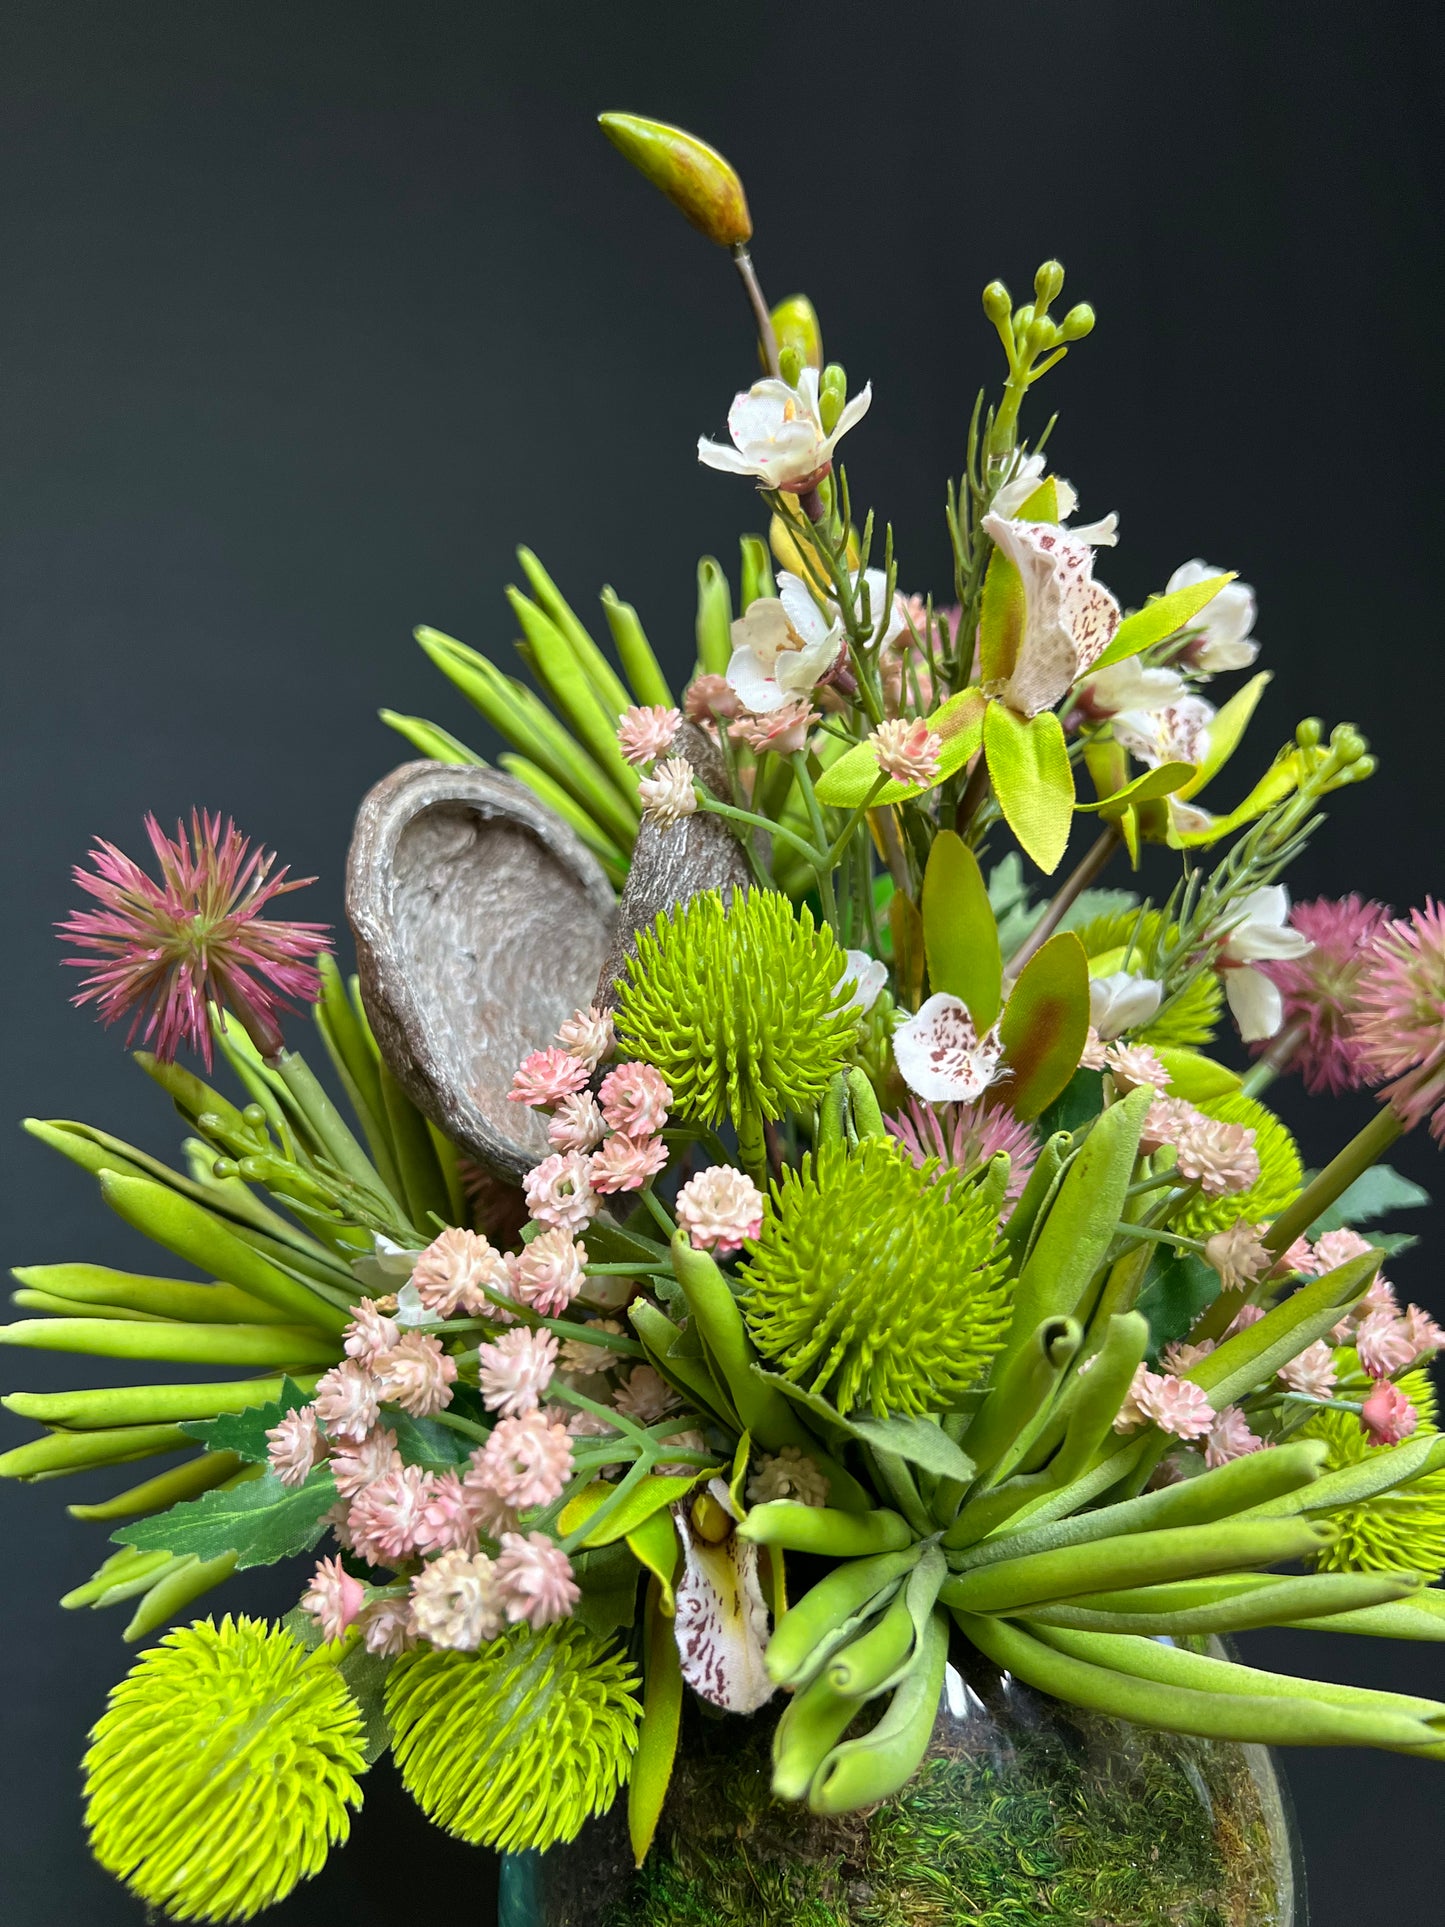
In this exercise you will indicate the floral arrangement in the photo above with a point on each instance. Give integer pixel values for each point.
(903, 1270)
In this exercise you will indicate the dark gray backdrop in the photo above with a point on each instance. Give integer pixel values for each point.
(312, 313)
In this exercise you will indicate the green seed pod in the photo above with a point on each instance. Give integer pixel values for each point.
(996, 304)
(832, 394)
(694, 177)
(1048, 284)
(795, 323)
(1077, 323)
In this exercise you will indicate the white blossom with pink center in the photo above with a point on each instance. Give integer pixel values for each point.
(1239, 1255)
(295, 1446)
(525, 1461)
(587, 1035)
(1176, 732)
(667, 796)
(534, 1580)
(354, 1467)
(626, 1163)
(516, 1370)
(1229, 1438)
(559, 1192)
(388, 1517)
(333, 1598)
(577, 1124)
(370, 1333)
(778, 435)
(1175, 1405)
(645, 731)
(456, 1602)
(347, 1401)
(547, 1273)
(452, 1276)
(635, 1098)
(907, 752)
(941, 1056)
(711, 700)
(1313, 1373)
(720, 1209)
(417, 1375)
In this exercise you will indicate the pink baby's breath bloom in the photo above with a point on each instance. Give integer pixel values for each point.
(635, 1099)
(1246, 1316)
(1166, 1122)
(1239, 1255)
(1220, 1158)
(1319, 989)
(577, 1124)
(526, 1461)
(645, 1396)
(455, 1602)
(1384, 1344)
(455, 1272)
(720, 1209)
(1230, 1438)
(534, 1580)
(1400, 1016)
(711, 699)
(964, 1137)
(1424, 1334)
(386, 1627)
(1387, 1416)
(1181, 1355)
(668, 794)
(645, 732)
(547, 1274)
(783, 731)
(1334, 1248)
(333, 1598)
(559, 1191)
(1313, 1373)
(347, 1401)
(452, 1517)
(588, 1035)
(1133, 1065)
(388, 1517)
(547, 1076)
(578, 1356)
(355, 1467)
(417, 1375)
(161, 952)
(908, 752)
(369, 1334)
(1131, 1412)
(294, 1446)
(1176, 1405)
(1095, 1054)
(1300, 1257)
(515, 1372)
(626, 1163)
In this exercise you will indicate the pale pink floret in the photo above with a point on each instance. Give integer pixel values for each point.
(294, 1447)
(1399, 1028)
(711, 699)
(333, 1598)
(559, 1191)
(417, 1375)
(1131, 1412)
(547, 1076)
(337, 1521)
(1165, 1122)
(646, 731)
(578, 1356)
(720, 1209)
(1246, 1316)
(908, 752)
(1313, 1373)
(783, 731)
(635, 1099)
(547, 1274)
(588, 1035)
(1335, 1248)
(354, 1467)
(452, 1517)
(386, 1627)
(627, 1163)
(455, 1272)
(1424, 1334)
(534, 1579)
(347, 1401)
(388, 1518)
(1239, 1255)
(515, 1372)
(1134, 1065)
(455, 1601)
(1384, 1344)
(370, 1333)
(1387, 1415)
(577, 1124)
(1176, 1405)
(1220, 1158)
(1095, 1054)
(645, 1396)
(668, 794)
(1230, 1438)
(1300, 1256)
(526, 1461)
(1182, 1356)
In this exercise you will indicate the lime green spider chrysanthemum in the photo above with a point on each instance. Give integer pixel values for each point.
(1280, 1171)
(876, 1282)
(742, 1009)
(1398, 1531)
(1189, 1020)
(515, 1746)
(221, 1771)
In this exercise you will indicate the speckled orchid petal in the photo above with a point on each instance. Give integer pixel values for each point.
(1069, 619)
(722, 1618)
(941, 1056)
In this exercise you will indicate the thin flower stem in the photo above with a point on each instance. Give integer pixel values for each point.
(1089, 866)
(823, 868)
(762, 315)
(594, 1521)
(804, 848)
(1274, 1062)
(854, 823)
(1363, 1150)
(1155, 1236)
(658, 1210)
(453, 1423)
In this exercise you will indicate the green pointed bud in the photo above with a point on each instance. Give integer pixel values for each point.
(795, 323)
(1048, 284)
(997, 304)
(1077, 323)
(1042, 335)
(832, 393)
(694, 177)
(790, 365)
(1308, 733)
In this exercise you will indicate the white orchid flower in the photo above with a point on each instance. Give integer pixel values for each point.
(721, 1625)
(1128, 687)
(867, 975)
(1027, 479)
(941, 1056)
(1121, 1001)
(778, 434)
(1178, 732)
(1224, 624)
(1069, 619)
(1258, 933)
(784, 645)
(380, 1269)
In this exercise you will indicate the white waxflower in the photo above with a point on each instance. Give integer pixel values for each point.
(784, 645)
(778, 434)
(1259, 932)
(1027, 479)
(1224, 624)
(1121, 1001)
(1129, 687)
(867, 975)
(1176, 732)
(940, 1055)
(1069, 619)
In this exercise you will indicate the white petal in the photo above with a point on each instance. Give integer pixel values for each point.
(722, 1621)
(854, 409)
(799, 670)
(801, 610)
(1103, 534)
(754, 688)
(1011, 497)
(1067, 497)
(1213, 658)
(1128, 685)
(940, 1055)
(867, 975)
(759, 412)
(1257, 1005)
(717, 455)
(763, 627)
(1120, 1001)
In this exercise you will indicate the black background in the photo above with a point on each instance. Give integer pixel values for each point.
(312, 313)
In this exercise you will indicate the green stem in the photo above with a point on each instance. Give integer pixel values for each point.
(658, 1209)
(1088, 867)
(1363, 1150)
(465, 1426)
(1273, 1062)
(800, 844)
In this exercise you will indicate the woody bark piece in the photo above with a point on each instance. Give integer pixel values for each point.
(480, 922)
(672, 863)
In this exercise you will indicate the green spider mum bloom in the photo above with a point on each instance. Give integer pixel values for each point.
(876, 1282)
(1398, 1531)
(739, 1007)
(221, 1771)
(1280, 1171)
(515, 1746)
(1191, 1019)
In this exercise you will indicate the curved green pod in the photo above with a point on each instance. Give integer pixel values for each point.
(836, 1599)
(824, 1530)
(861, 1771)
(813, 1722)
(866, 1662)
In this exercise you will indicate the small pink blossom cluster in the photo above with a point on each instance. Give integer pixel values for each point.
(1175, 1405)
(605, 1141)
(784, 731)
(720, 1209)
(908, 752)
(1387, 1341)
(646, 731)
(1220, 1158)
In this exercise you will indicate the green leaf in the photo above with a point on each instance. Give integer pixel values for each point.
(852, 779)
(650, 1495)
(661, 1721)
(244, 1432)
(1045, 1024)
(261, 1521)
(365, 1675)
(655, 1546)
(1374, 1194)
(421, 1441)
(1163, 781)
(1161, 616)
(1001, 619)
(1226, 730)
(1177, 1288)
(1032, 779)
(959, 931)
(608, 1578)
(1079, 1102)
(922, 1441)
(1194, 1077)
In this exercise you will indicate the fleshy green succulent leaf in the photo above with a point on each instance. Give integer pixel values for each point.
(853, 779)
(261, 1521)
(1253, 1356)
(1161, 616)
(1045, 1024)
(643, 671)
(430, 740)
(1033, 780)
(959, 931)
(701, 185)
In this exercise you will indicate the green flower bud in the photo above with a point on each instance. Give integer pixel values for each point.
(1347, 745)
(997, 304)
(1308, 733)
(832, 393)
(1077, 323)
(790, 365)
(1048, 282)
(795, 323)
(693, 176)
(1042, 335)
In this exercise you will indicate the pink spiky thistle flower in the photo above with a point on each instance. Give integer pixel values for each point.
(1319, 989)
(161, 952)
(1400, 1023)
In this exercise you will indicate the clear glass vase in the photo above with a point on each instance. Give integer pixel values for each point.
(1023, 1811)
